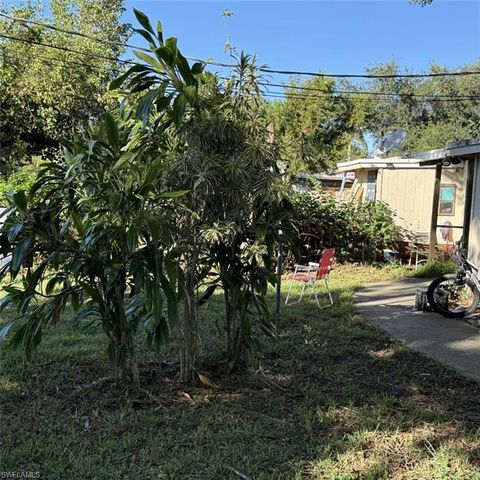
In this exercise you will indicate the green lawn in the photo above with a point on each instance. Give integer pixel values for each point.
(330, 398)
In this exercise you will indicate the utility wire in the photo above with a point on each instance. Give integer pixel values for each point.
(368, 92)
(369, 75)
(66, 49)
(284, 95)
(267, 84)
(71, 32)
(262, 69)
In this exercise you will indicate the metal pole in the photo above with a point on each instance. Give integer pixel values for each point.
(432, 254)
(279, 275)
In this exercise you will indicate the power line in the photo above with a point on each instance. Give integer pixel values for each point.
(369, 92)
(368, 75)
(278, 95)
(71, 32)
(267, 84)
(273, 94)
(262, 69)
(287, 95)
(66, 49)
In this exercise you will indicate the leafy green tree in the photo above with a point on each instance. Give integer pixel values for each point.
(430, 121)
(47, 94)
(222, 157)
(238, 202)
(315, 128)
(90, 234)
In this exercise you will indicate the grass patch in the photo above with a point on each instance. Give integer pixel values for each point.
(331, 397)
(436, 269)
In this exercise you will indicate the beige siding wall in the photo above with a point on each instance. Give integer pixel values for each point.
(474, 240)
(410, 193)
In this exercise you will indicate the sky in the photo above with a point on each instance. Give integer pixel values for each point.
(331, 36)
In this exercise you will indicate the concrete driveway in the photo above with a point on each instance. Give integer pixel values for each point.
(389, 305)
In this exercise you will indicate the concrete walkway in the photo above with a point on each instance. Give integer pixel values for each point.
(389, 305)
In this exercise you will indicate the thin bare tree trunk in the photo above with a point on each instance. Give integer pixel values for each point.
(190, 327)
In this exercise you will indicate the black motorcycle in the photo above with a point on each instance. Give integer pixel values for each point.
(456, 295)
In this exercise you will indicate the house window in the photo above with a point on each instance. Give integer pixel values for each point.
(447, 200)
(371, 191)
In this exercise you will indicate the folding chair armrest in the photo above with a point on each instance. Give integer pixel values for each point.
(313, 264)
(302, 268)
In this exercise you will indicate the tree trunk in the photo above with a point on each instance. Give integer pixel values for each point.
(230, 313)
(189, 350)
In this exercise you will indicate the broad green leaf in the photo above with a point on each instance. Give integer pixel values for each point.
(132, 239)
(184, 69)
(162, 332)
(52, 283)
(144, 106)
(20, 253)
(75, 301)
(4, 331)
(143, 20)
(125, 159)
(190, 92)
(197, 68)
(179, 193)
(13, 231)
(172, 302)
(147, 36)
(179, 106)
(165, 54)
(91, 291)
(20, 201)
(77, 221)
(154, 227)
(148, 59)
(160, 31)
(112, 131)
(153, 171)
(117, 82)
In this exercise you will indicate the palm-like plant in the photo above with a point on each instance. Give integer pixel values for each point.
(92, 238)
(223, 159)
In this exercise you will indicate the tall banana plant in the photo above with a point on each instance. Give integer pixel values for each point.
(93, 234)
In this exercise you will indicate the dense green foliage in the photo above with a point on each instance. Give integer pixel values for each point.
(429, 122)
(21, 179)
(316, 129)
(357, 231)
(90, 236)
(178, 190)
(46, 94)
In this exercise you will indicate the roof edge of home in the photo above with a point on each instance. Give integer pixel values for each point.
(417, 160)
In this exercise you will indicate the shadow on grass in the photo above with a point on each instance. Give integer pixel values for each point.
(332, 397)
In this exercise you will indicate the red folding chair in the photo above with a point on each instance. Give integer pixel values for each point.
(311, 273)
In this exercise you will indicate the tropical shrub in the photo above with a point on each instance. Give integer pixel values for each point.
(222, 158)
(353, 229)
(183, 180)
(92, 239)
(21, 179)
